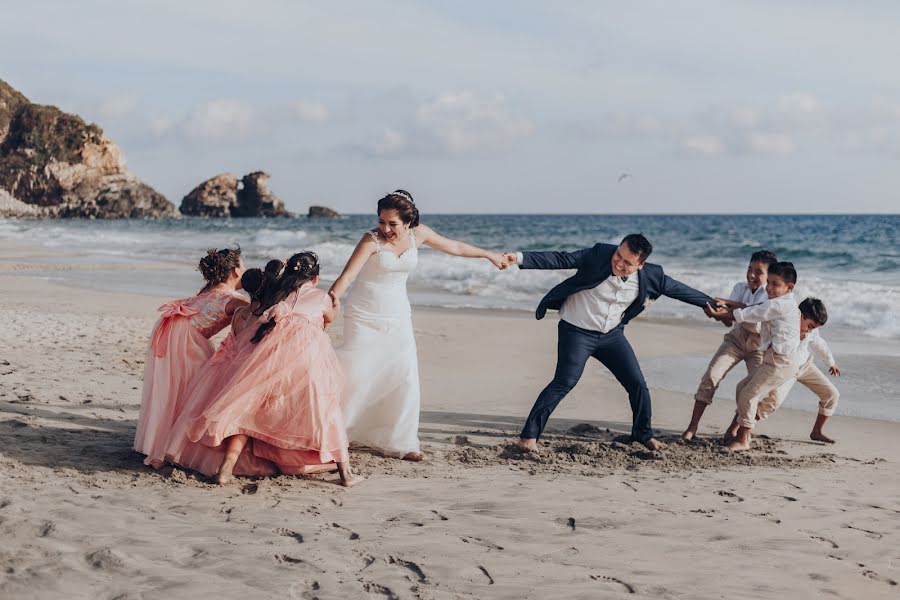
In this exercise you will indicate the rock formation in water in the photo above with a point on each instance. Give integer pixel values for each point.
(226, 196)
(64, 167)
(322, 211)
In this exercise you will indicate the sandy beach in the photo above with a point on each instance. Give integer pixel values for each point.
(587, 517)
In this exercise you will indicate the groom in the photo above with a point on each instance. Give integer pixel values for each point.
(612, 285)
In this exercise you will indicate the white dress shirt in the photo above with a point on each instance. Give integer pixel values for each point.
(743, 294)
(780, 320)
(814, 343)
(599, 308)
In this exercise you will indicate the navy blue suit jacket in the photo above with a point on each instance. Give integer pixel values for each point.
(594, 267)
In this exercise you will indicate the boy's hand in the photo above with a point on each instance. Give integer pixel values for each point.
(726, 303)
(719, 314)
(835, 370)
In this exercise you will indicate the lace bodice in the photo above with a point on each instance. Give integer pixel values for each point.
(380, 287)
(211, 318)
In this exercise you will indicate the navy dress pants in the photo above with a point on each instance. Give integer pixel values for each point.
(575, 346)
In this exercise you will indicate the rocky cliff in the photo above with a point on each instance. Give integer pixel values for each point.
(64, 167)
(226, 196)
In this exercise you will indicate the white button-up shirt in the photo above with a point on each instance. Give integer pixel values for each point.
(814, 343)
(743, 294)
(780, 320)
(601, 308)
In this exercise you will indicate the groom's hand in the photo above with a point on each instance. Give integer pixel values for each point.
(510, 258)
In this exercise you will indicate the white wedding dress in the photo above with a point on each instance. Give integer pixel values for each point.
(380, 401)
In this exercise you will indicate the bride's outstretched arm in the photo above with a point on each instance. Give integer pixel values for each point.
(433, 239)
(364, 249)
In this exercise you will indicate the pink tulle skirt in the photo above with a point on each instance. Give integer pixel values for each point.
(209, 382)
(285, 394)
(166, 378)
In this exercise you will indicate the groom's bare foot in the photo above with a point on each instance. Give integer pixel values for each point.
(528, 444)
(654, 444)
(414, 456)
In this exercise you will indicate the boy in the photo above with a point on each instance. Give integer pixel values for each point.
(741, 343)
(779, 338)
(812, 316)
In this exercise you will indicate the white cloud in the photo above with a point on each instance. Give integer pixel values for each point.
(701, 145)
(775, 144)
(453, 124)
(220, 120)
(463, 122)
(116, 107)
(311, 112)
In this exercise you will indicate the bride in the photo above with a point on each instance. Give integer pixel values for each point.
(381, 394)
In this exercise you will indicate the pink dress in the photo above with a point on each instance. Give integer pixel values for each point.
(285, 393)
(212, 378)
(179, 346)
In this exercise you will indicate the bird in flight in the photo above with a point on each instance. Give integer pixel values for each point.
(622, 177)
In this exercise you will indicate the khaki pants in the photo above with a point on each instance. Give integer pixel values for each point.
(739, 344)
(810, 376)
(772, 373)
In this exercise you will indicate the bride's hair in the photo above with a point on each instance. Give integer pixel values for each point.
(217, 265)
(402, 202)
(300, 268)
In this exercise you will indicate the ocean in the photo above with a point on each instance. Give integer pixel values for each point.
(851, 262)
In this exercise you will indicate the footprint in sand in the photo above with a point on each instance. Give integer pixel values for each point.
(876, 577)
(876, 535)
(376, 588)
(104, 558)
(619, 584)
(733, 497)
(481, 542)
(415, 569)
(353, 534)
(289, 533)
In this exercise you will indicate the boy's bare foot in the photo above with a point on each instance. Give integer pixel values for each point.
(654, 444)
(740, 441)
(348, 479)
(736, 446)
(527, 444)
(820, 437)
(732, 431)
(691, 431)
(414, 456)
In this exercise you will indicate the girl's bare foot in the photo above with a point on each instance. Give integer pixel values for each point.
(414, 456)
(820, 437)
(689, 434)
(348, 479)
(225, 474)
(527, 444)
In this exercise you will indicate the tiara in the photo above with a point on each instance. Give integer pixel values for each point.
(404, 194)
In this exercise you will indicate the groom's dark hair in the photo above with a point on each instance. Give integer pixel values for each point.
(638, 244)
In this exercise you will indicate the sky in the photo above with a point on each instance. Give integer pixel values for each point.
(717, 106)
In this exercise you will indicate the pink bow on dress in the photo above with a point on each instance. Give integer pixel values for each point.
(177, 308)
